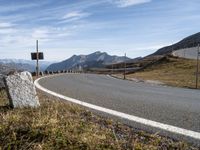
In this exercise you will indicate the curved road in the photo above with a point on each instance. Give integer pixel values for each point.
(173, 106)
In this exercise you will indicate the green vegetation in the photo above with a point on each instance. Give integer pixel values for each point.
(60, 125)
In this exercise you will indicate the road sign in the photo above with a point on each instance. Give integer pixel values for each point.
(37, 56)
(34, 56)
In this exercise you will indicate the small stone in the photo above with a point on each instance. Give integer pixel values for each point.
(21, 90)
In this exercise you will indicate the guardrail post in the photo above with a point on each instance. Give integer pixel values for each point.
(197, 70)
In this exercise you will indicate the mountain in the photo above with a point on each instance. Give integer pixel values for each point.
(187, 42)
(5, 69)
(27, 65)
(97, 59)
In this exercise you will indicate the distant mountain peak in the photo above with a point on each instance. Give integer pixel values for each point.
(21, 64)
(97, 52)
(96, 59)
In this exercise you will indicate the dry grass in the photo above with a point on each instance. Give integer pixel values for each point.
(172, 71)
(60, 125)
(3, 98)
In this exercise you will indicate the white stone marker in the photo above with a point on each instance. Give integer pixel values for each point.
(21, 90)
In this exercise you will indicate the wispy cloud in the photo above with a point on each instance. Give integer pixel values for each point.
(49, 33)
(5, 25)
(6, 28)
(127, 3)
(74, 16)
(7, 31)
(40, 33)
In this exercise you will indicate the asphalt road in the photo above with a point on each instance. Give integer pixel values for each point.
(173, 106)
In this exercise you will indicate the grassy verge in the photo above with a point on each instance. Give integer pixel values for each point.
(171, 71)
(60, 125)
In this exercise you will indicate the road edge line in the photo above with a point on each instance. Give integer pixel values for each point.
(166, 127)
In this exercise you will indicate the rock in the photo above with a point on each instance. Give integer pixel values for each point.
(21, 90)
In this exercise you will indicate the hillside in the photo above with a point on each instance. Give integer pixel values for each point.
(97, 59)
(172, 71)
(190, 41)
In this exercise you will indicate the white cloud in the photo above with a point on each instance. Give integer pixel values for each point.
(7, 28)
(127, 3)
(40, 33)
(7, 31)
(75, 15)
(5, 25)
(50, 33)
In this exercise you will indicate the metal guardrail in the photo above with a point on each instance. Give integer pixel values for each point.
(54, 72)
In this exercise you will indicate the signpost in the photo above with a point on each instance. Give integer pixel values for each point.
(34, 56)
(37, 56)
(125, 67)
(197, 71)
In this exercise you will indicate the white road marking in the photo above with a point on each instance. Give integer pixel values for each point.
(166, 127)
(111, 77)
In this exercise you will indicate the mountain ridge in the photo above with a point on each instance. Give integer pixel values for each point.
(190, 41)
(26, 65)
(96, 59)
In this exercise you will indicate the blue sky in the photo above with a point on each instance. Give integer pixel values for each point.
(67, 27)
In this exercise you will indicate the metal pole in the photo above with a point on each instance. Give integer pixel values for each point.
(112, 69)
(197, 71)
(125, 67)
(37, 64)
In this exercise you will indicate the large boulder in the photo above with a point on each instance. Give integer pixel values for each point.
(21, 90)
